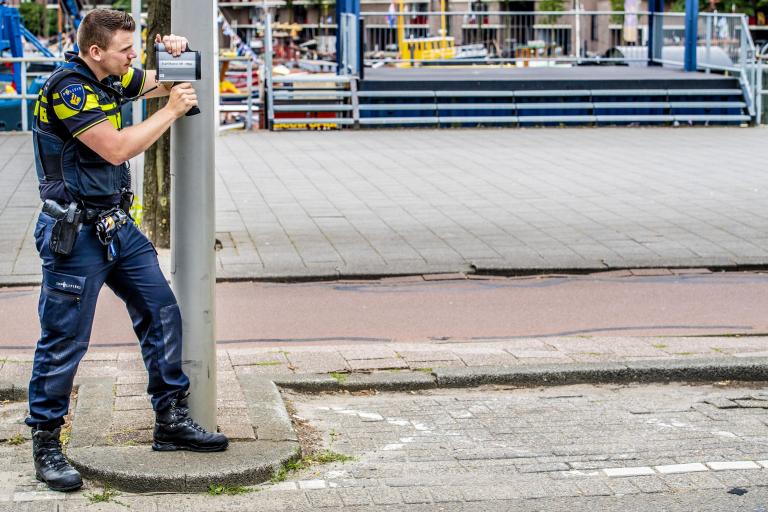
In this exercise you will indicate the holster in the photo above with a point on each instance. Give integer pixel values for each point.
(66, 228)
(126, 201)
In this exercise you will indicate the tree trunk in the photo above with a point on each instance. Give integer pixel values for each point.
(156, 217)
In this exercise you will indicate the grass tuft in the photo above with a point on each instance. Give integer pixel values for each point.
(315, 459)
(341, 378)
(65, 435)
(218, 490)
(105, 496)
(268, 363)
(16, 440)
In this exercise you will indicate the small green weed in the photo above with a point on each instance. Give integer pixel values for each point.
(16, 440)
(218, 490)
(341, 378)
(268, 363)
(105, 496)
(425, 370)
(718, 350)
(65, 435)
(659, 346)
(315, 459)
(684, 353)
(328, 456)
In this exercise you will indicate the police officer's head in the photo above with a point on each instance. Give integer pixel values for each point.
(105, 39)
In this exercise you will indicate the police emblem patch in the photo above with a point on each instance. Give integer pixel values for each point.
(73, 96)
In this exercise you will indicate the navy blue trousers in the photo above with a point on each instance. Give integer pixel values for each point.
(71, 285)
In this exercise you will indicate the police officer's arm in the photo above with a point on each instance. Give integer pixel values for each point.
(117, 146)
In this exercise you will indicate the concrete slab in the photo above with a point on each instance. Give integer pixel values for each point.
(498, 220)
(102, 455)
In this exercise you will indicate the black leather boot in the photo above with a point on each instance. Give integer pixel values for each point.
(50, 465)
(175, 430)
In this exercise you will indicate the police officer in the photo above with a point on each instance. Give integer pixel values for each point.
(85, 238)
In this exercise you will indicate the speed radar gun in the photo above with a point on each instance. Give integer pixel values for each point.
(184, 68)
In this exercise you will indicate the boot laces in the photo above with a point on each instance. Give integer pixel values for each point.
(182, 413)
(53, 457)
(191, 424)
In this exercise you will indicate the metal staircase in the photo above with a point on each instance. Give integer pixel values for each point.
(335, 102)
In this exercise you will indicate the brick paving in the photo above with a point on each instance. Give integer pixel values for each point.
(585, 447)
(277, 361)
(424, 201)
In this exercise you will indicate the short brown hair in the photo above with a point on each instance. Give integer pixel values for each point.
(100, 25)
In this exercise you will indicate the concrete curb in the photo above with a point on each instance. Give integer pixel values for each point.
(139, 469)
(13, 392)
(694, 370)
(520, 268)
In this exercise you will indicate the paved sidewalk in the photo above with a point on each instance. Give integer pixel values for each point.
(425, 201)
(569, 448)
(279, 361)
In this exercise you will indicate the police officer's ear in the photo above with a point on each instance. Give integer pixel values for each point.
(95, 53)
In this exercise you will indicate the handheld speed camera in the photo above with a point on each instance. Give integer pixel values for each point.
(184, 68)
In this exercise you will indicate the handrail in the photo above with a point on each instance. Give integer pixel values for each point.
(31, 59)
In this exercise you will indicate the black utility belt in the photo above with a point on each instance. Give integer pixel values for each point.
(71, 218)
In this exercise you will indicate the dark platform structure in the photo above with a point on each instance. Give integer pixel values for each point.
(549, 96)
(467, 96)
(452, 78)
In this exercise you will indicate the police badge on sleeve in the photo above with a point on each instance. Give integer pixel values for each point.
(73, 96)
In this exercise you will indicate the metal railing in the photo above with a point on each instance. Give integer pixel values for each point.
(349, 45)
(552, 38)
(503, 37)
(724, 44)
(241, 101)
(23, 97)
(248, 104)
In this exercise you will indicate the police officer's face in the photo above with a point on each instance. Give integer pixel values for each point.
(118, 57)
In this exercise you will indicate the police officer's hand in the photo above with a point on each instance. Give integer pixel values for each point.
(182, 98)
(174, 45)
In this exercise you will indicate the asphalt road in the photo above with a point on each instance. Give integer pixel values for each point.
(413, 309)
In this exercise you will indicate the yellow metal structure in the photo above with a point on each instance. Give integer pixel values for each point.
(420, 49)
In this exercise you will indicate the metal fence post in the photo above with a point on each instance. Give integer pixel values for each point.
(23, 92)
(268, 85)
(137, 163)
(577, 31)
(708, 41)
(691, 34)
(249, 111)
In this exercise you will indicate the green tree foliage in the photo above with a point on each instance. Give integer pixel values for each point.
(39, 20)
(617, 6)
(552, 5)
(125, 5)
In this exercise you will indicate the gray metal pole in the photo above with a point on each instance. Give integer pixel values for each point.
(23, 101)
(137, 163)
(193, 269)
